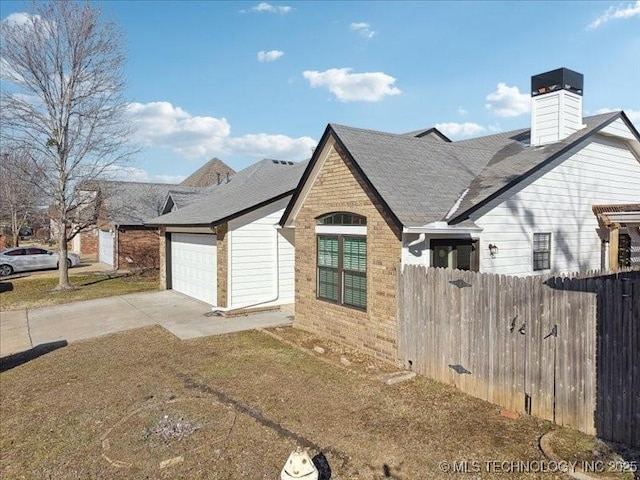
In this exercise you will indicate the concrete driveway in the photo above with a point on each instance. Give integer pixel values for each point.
(183, 316)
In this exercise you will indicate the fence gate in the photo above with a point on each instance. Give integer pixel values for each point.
(529, 344)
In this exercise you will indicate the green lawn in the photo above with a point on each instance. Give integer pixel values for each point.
(33, 292)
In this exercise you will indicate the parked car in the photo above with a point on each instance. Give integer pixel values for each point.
(23, 259)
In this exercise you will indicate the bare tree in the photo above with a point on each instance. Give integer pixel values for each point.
(18, 192)
(62, 101)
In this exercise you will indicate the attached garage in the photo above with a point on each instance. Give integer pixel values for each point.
(225, 248)
(105, 247)
(193, 265)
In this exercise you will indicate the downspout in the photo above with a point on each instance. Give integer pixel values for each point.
(116, 248)
(422, 237)
(276, 298)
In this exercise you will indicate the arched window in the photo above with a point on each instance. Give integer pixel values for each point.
(342, 259)
(342, 218)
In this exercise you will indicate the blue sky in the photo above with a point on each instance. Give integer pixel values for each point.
(248, 80)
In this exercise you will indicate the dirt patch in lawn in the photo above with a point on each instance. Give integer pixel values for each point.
(143, 404)
(37, 291)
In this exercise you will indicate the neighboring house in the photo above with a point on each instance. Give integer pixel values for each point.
(516, 203)
(120, 238)
(225, 246)
(211, 173)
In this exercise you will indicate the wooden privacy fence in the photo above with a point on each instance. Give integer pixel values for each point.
(562, 349)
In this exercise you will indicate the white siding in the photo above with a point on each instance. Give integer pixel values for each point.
(261, 259)
(571, 114)
(619, 129)
(545, 118)
(555, 116)
(559, 201)
(415, 250)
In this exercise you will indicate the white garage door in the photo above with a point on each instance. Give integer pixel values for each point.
(194, 266)
(105, 247)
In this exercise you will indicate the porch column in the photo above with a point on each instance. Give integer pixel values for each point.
(614, 231)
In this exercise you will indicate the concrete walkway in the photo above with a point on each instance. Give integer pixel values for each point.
(183, 316)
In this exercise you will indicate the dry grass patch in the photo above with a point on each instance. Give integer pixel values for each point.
(97, 409)
(37, 291)
(606, 460)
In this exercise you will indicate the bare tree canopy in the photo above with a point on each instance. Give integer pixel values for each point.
(19, 196)
(62, 101)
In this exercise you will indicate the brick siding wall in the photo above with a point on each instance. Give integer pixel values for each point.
(89, 242)
(222, 244)
(138, 247)
(162, 252)
(339, 187)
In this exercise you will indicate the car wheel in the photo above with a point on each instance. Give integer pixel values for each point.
(5, 270)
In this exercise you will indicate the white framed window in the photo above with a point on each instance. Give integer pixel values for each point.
(541, 251)
(342, 259)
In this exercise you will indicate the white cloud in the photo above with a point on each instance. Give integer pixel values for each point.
(18, 18)
(126, 172)
(274, 146)
(634, 115)
(136, 174)
(616, 13)
(363, 29)
(462, 111)
(27, 22)
(352, 87)
(269, 56)
(508, 102)
(265, 7)
(161, 124)
(466, 129)
(174, 179)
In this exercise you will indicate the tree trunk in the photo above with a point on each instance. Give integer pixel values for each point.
(15, 230)
(63, 269)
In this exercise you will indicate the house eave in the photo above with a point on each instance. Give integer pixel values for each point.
(443, 228)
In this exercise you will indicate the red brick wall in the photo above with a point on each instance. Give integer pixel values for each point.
(339, 187)
(89, 242)
(140, 245)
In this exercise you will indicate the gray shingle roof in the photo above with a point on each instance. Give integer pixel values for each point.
(255, 185)
(421, 180)
(514, 158)
(182, 199)
(418, 179)
(132, 203)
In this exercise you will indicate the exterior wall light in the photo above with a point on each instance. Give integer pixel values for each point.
(493, 250)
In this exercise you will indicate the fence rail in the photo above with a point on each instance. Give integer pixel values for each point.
(566, 349)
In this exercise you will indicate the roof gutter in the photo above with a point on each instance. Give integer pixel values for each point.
(444, 228)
